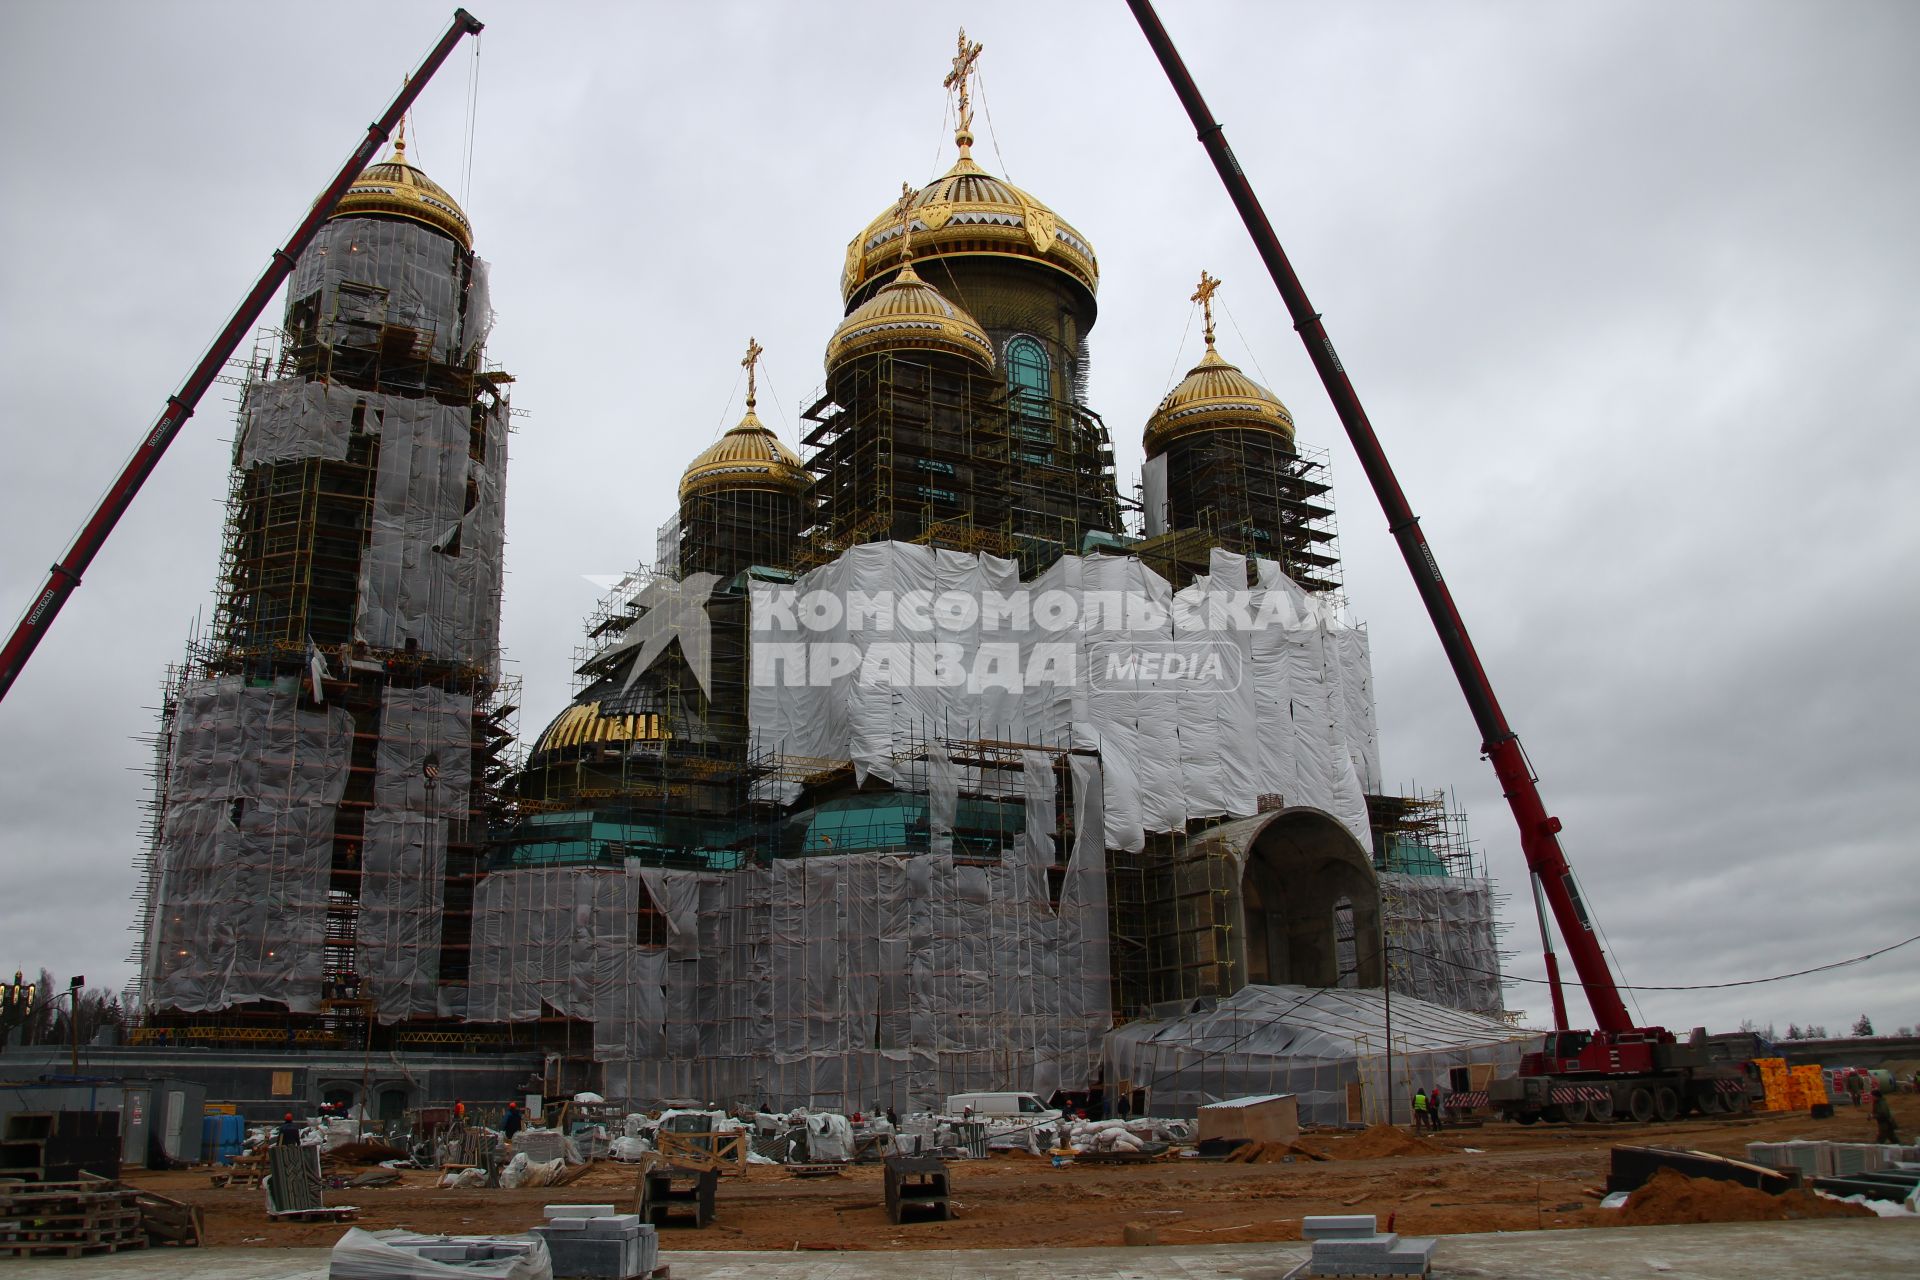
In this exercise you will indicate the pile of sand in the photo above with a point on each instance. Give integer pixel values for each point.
(1269, 1153)
(1373, 1143)
(1671, 1196)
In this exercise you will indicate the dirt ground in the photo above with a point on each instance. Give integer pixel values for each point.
(1500, 1177)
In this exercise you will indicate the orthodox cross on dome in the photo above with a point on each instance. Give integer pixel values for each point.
(904, 209)
(400, 135)
(963, 64)
(752, 358)
(1204, 296)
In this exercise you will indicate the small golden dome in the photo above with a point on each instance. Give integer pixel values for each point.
(908, 314)
(395, 188)
(970, 212)
(1215, 396)
(747, 457)
(582, 724)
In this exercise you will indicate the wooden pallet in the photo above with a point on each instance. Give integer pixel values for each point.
(69, 1219)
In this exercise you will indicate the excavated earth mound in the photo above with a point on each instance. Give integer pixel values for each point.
(1671, 1197)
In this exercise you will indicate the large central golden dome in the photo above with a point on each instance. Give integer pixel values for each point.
(970, 212)
(395, 188)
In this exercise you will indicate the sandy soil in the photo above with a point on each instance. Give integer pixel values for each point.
(1498, 1177)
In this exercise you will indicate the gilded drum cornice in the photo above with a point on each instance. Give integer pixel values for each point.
(395, 188)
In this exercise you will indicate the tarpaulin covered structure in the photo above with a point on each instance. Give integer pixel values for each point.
(1312, 1042)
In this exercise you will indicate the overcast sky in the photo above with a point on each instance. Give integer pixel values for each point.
(1628, 289)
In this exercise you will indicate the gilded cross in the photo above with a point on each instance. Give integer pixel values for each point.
(963, 61)
(752, 358)
(904, 210)
(1204, 296)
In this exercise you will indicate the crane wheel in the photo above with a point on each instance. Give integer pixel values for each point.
(1666, 1104)
(1600, 1110)
(1640, 1104)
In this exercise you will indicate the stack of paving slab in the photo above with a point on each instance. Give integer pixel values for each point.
(1351, 1245)
(407, 1255)
(593, 1240)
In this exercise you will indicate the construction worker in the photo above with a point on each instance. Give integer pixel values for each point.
(1856, 1085)
(1419, 1110)
(1882, 1116)
(1436, 1108)
(289, 1131)
(511, 1122)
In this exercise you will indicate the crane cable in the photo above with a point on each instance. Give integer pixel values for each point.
(1695, 986)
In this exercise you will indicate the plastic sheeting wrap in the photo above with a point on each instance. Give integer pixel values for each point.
(432, 573)
(246, 843)
(1311, 1042)
(835, 982)
(366, 274)
(1286, 708)
(293, 419)
(1445, 948)
(421, 784)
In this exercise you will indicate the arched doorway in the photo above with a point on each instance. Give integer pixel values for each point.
(1302, 872)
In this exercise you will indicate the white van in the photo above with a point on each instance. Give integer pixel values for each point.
(1002, 1106)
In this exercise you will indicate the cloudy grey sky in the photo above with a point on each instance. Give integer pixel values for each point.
(1629, 291)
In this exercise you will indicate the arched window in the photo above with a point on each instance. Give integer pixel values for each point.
(1029, 375)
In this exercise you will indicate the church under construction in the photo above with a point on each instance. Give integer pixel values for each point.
(919, 759)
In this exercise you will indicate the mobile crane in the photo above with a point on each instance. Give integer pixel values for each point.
(67, 571)
(1575, 1075)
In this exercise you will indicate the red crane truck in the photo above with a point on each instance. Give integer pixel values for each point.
(1619, 1068)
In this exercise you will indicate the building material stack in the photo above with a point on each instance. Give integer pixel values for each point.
(593, 1240)
(1349, 1245)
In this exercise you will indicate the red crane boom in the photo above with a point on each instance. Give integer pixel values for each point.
(1538, 829)
(65, 575)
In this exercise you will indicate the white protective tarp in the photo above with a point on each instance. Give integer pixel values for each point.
(1199, 704)
(1311, 1042)
(246, 846)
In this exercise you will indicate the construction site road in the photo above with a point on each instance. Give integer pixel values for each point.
(1499, 1177)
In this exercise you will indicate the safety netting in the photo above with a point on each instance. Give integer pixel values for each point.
(431, 577)
(245, 846)
(836, 981)
(1441, 941)
(363, 275)
(1312, 1042)
(421, 787)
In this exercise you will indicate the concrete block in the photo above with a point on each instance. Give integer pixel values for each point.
(1335, 1226)
(1421, 1248)
(615, 1224)
(1355, 1249)
(580, 1211)
(605, 1258)
(565, 1224)
(1140, 1233)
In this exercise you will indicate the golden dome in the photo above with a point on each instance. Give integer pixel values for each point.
(395, 188)
(1215, 396)
(582, 724)
(747, 457)
(908, 314)
(969, 212)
